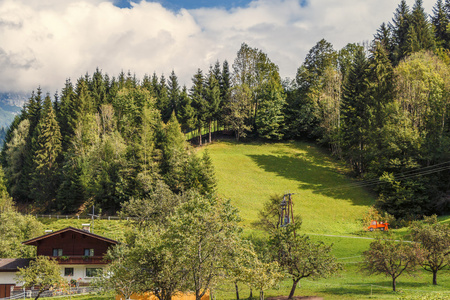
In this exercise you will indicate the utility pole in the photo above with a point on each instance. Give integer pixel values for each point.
(93, 215)
(286, 211)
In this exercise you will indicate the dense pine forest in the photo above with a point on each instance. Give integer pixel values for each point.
(383, 107)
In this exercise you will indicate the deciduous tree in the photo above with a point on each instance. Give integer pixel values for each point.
(434, 238)
(392, 258)
(43, 273)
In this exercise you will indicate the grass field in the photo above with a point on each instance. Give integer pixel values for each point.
(249, 173)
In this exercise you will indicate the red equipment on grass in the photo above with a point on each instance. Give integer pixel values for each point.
(378, 225)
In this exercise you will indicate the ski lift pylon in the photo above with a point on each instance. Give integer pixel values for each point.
(286, 212)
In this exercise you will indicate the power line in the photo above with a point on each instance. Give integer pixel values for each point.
(399, 176)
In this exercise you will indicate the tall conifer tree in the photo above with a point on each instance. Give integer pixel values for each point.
(400, 26)
(212, 99)
(381, 90)
(174, 93)
(44, 180)
(199, 103)
(420, 36)
(163, 101)
(440, 23)
(186, 113)
(356, 113)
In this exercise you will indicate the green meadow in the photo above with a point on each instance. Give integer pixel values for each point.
(249, 173)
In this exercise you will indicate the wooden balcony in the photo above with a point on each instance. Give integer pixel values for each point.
(80, 260)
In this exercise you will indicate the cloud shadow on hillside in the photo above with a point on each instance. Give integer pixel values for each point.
(312, 170)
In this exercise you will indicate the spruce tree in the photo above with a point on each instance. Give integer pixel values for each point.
(71, 192)
(399, 27)
(271, 104)
(440, 23)
(174, 93)
(45, 175)
(225, 82)
(33, 114)
(384, 36)
(212, 91)
(8, 136)
(163, 101)
(186, 115)
(15, 159)
(197, 94)
(355, 111)
(66, 114)
(174, 155)
(82, 103)
(98, 88)
(419, 31)
(225, 91)
(381, 92)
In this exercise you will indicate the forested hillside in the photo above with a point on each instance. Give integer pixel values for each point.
(382, 107)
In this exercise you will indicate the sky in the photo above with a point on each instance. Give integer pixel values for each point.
(45, 42)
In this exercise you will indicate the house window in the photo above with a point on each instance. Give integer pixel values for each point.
(68, 271)
(93, 272)
(57, 252)
(88, 252)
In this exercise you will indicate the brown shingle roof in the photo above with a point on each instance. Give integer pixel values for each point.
(12, 264)
(83, 232)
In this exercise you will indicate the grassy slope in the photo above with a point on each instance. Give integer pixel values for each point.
(249, 173)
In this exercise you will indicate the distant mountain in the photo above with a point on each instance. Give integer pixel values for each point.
(10, 105)
(13, 99)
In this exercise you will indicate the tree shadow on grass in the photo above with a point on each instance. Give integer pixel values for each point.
(313, 170)
(365, 290)
(376, 288)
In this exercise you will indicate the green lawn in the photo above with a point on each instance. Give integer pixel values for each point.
(249, 174)
(115, 230)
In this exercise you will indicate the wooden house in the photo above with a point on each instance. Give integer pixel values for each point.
(79, 252)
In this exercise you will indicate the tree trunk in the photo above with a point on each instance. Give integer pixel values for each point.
(251, 294)
(435, 277)
(210, 131)
(393, 284)
(200, 136)
(294, 285)
(237, 290)
(38, 295)
(261, 295)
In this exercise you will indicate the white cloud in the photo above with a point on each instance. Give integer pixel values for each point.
(43, 42)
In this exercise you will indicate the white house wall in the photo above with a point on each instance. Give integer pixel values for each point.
(79, 271)
(7, 277)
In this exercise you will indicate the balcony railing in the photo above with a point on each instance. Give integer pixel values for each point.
(80, 260)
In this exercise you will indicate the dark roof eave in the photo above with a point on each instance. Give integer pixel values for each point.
(96, 236)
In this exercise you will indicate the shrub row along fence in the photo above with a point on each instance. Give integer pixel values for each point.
(83, 217)
(54, 293)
